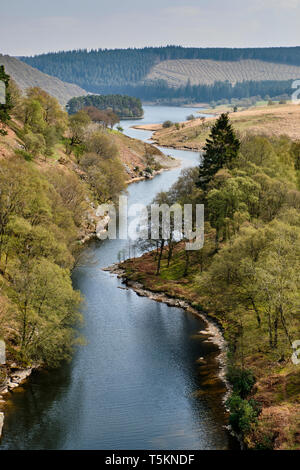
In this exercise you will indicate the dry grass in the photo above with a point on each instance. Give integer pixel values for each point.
(269, 120)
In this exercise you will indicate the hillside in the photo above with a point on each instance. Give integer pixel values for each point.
(178, 72)
(26, 76)
(55, 170)
(153, 72)
(272, 121)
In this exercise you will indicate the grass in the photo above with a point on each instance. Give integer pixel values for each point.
(277, 386)
(269, 120)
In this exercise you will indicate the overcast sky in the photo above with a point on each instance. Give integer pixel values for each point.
(33, 26)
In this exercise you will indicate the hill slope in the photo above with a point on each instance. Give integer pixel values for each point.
(178, 72)
(98, 69)
(26, 76)
(272, 121)
(257, 71)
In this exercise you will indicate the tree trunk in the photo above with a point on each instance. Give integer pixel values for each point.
(162, 244)
(187, 263)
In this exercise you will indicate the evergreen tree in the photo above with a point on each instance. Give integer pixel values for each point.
(221, 148)
(7, 106)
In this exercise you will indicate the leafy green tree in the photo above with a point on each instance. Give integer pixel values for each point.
(243, 414)
(34, 143)
(295, 151)
(242, 380)
(6, 107)
(78, 124)
(47, 312)
(42, 116)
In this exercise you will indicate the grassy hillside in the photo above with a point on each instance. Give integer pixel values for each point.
(26, 76)
(178, 72)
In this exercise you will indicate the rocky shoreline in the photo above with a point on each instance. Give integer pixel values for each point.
(212, 330)
(15, 377)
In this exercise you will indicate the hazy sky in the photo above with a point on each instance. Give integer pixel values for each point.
(34, 26)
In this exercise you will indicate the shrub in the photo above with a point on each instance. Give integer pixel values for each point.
(243, 413)
(167, 124)
(26, 155)
(242, 381)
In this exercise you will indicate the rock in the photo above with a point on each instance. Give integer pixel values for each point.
(20, 375)
(201, 360)
(11, 385)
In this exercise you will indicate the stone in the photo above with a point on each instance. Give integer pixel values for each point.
(1, 422)
(11, 385)
(20, 375)
(2, 352)
(201, 360)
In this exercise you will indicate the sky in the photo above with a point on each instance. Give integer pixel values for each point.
(29, 27)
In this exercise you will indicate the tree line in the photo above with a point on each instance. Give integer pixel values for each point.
(45, 208)
(123, 106)
(160, 90)
(106, 68)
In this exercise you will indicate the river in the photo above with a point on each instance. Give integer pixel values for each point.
(136, 383)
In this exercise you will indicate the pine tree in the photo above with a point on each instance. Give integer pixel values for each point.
(221, 148)
(6, 107)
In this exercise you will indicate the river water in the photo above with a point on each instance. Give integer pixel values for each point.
(136, 384)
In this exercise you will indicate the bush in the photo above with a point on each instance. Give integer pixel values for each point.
(242, 381)
(167, 124)
(26, 155)
(243, 413)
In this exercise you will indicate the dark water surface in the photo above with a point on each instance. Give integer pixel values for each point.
(136, 384)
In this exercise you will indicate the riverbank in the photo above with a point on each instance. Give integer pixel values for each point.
(276, 382)
(141, 161)
(273, 121)
(15, 377)
(213, 331)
